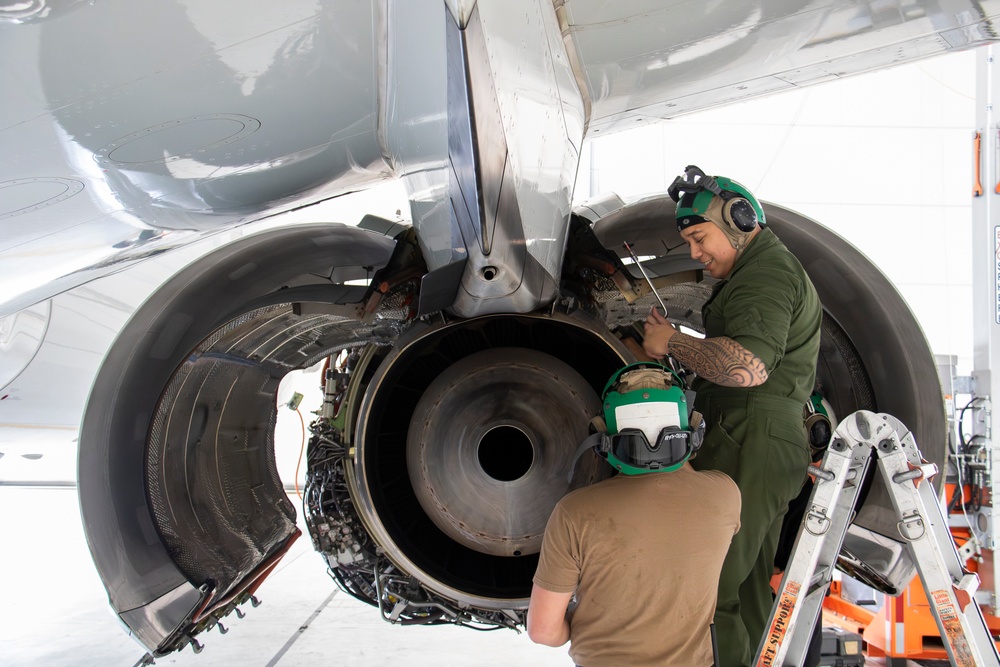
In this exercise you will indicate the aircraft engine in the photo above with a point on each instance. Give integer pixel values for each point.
(443, 443)
(464, 436)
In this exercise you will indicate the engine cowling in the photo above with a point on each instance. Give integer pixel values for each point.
(429, 486)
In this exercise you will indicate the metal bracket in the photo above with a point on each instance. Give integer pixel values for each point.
(911, 527)
(816, 521)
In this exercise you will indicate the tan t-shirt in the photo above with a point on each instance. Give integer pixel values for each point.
(643, 554)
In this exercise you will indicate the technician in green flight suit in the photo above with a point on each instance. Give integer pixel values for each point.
(756, 368)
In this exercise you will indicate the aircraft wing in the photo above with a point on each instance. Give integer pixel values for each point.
(466, 351)
(127, 131)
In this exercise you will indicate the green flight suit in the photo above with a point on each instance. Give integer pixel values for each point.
(756, 435)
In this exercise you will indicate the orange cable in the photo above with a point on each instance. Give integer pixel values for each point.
(977, 186)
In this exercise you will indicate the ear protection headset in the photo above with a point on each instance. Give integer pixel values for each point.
(693, 192)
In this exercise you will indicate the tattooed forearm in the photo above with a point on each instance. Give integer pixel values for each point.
(720, 360)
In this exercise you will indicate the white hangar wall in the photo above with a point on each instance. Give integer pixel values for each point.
(883, 159)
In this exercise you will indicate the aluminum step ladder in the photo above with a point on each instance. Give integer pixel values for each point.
(861, 438)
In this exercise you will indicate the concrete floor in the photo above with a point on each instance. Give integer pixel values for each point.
(55, 610)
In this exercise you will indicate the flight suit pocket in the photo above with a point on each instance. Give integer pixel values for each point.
(749, 323)
(719, 451)
(787, 458)
(714, 323)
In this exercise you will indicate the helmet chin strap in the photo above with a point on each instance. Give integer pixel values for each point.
(737, 239)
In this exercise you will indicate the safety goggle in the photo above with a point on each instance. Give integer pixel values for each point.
(693, 180)
(671, 441)
(680, 445)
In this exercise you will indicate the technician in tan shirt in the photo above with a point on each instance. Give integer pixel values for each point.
(643, 552)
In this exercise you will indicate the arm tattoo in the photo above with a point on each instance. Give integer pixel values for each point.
(720, 360)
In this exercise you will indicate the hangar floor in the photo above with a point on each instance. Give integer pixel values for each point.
(56, 614)
(55, 610)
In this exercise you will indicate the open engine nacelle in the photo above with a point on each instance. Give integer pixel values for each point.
(430, 483)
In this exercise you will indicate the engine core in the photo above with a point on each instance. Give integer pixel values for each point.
(466, 435)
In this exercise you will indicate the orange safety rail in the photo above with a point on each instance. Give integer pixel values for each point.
(846, 615)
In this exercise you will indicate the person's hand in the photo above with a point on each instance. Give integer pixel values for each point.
(658, 332)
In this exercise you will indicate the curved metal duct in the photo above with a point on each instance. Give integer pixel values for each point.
(176, 446)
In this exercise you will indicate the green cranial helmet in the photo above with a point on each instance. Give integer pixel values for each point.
(646, 413)
(694, 190)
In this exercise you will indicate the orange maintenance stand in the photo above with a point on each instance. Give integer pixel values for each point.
(904, 627)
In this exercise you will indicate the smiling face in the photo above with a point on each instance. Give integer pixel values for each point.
(710, 246)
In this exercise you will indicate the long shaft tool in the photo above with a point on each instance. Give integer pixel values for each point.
(646, 276)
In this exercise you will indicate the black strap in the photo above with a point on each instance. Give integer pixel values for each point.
(591, 442)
